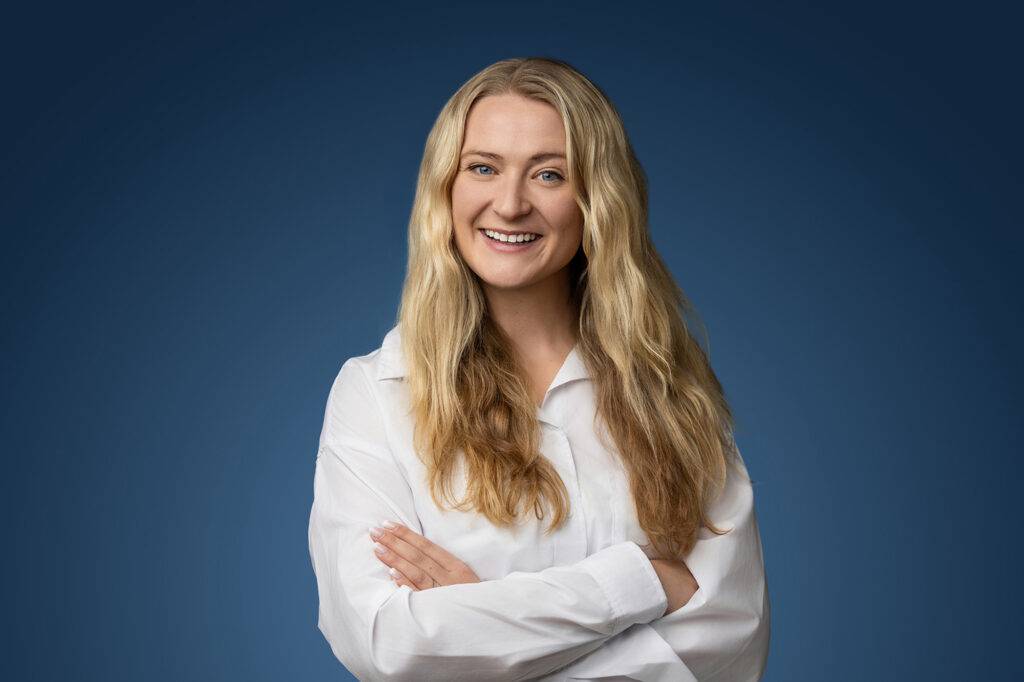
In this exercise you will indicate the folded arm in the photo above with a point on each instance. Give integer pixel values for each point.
(522, 626)
(723, 631)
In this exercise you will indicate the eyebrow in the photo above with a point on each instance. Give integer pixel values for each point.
(542, 156)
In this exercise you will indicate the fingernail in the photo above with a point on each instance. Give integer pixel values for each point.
(379, 548)
(376, 532)
(393, 572)
(389, 524)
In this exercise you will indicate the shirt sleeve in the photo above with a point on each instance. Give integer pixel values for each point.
(522, 626)
(723, 632)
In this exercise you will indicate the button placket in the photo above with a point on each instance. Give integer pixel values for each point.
(571, 545)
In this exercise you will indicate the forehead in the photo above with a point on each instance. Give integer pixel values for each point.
(512, 125)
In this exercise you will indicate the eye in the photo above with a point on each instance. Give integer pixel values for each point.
(557, 176)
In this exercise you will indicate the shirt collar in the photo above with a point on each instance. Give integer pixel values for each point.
(392, 363)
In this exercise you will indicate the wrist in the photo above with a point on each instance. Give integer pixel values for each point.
(677, 581)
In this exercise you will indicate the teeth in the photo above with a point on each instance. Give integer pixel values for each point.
(514, 239)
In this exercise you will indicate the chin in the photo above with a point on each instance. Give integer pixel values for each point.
(505, 283)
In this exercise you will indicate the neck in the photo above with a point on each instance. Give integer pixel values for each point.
(540, 319)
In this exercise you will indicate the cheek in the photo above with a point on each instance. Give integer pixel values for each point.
(570, 224)
(464, 201)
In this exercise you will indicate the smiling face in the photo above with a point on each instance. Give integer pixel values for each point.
(512, 179)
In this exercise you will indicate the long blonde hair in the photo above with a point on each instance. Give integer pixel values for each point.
(655, 389)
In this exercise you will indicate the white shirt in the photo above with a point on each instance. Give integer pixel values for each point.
(580, 604)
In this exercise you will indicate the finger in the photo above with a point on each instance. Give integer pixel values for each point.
(411, 552)
(400, 579)
(444, 559)
(415, 574)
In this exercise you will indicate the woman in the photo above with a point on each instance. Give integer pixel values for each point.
(534, 476)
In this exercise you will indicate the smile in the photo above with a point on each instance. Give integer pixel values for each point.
(509, 243)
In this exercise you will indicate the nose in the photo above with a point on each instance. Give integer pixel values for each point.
(511, 201)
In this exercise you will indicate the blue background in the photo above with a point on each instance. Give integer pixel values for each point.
(204, 215)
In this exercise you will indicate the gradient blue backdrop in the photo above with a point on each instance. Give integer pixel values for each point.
(204, 213)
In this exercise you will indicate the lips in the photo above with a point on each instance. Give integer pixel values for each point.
(509, 246)
(509, 232)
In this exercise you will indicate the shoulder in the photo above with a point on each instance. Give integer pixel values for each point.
(357, 385)
(355, 402)
(383, 362)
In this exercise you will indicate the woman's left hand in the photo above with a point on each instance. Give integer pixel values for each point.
(416, 561)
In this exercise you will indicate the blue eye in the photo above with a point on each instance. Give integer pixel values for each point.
(474, 166)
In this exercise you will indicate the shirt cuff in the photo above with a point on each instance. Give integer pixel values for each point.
(630, 583)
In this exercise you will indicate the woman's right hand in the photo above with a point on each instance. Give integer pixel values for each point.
(678, 582)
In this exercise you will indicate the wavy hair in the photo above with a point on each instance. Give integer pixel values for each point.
(656, 392)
